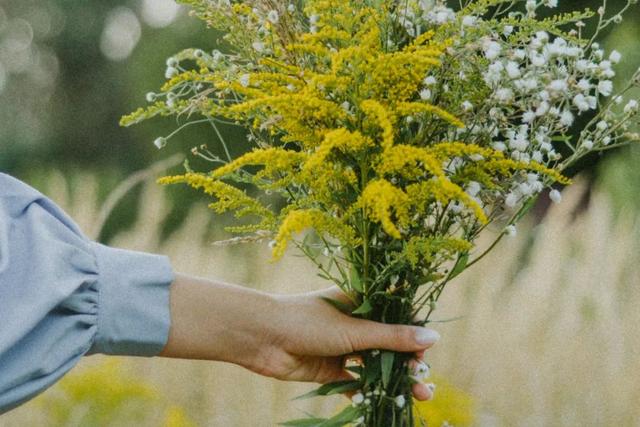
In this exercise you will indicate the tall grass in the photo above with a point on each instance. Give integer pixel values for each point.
(541, 333)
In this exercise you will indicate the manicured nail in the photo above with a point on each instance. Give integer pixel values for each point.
(426, 336)
(432, 389)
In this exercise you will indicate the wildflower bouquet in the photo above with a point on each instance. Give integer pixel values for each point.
(398, 132)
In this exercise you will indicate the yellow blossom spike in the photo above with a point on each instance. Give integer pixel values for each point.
(275, 160)
(379, 200)
(383, 118)
(397, 158)
(229, 197)
(410, 108)
(339, 139)
(298, 220)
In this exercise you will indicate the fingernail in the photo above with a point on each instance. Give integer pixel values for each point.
(426, 336)
(432, 389)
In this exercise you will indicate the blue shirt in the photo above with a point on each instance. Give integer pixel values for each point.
(63, 296)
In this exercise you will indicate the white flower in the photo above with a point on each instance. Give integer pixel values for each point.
(582, 65)
(172, 62)
(491, 49)
(291, 8)
(425, 94)
(631, 107)
(513, 69)
(429, 81)
(171, 72)
(511, 200)
(542, 109)
(587, 144)
(606, 140)
(217, 55)
(581, 103)
(531, 6)
(150, 97)
(198, 53)
(584, 85)
(602, 125)
(508, 29)
(538, 60)
(357, 398)
(258, 46)
(550, 3)
(346, 106)
(160, 142)
(604, 65)
(467, 106)
(421, 371)
(510, 230)
(499, 146)
(593, 102)
(605, 87)
(615, 56)
(244, 80)
(313, 19)
(555, 196)
(520, 54)
(558, 85)
(542, 36)
(566, 118)
(273, 16)
(469, 21)
(537, 156)
(525, 189)
(528, 116)
(504, 95)
(400, 401)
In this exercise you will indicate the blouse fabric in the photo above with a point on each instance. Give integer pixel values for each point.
(63, 296)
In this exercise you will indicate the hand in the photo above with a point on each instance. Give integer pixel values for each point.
(296, 338)
(312, 338)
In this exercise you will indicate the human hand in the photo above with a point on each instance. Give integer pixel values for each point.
(288, 337)
(310, 339)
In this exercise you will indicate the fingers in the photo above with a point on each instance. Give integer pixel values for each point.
(422, 391)
(373, 335)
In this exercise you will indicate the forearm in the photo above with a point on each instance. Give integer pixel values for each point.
(216, 321)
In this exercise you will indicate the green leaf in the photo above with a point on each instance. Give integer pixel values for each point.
(355, 281)
(347, 415)
(343, 307)
(386, 365)
(460, 265)
(364, 308)
(305, 422)
(331, 388)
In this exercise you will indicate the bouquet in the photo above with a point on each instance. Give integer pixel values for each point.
(398, 132)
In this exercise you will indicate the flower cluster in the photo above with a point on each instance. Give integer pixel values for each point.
(398, 132)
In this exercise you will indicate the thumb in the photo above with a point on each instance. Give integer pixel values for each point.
(366, 335)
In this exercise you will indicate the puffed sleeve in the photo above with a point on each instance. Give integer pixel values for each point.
(63, 296)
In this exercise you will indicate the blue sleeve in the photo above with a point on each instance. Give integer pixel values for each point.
(63, 296)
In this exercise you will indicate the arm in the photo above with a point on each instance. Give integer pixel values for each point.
(297, 337)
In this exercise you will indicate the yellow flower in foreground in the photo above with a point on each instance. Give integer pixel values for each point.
(450, 405)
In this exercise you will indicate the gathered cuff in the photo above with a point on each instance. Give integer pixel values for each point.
(133, 302)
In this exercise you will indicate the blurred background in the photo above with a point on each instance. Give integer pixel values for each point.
(542, 333)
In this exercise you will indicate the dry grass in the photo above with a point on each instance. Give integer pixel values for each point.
(547, 335)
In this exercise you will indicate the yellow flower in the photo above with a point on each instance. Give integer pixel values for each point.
(380, 199)
(300, 219)
(450, 405)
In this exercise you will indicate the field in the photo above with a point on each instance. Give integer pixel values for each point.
(543, 332)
